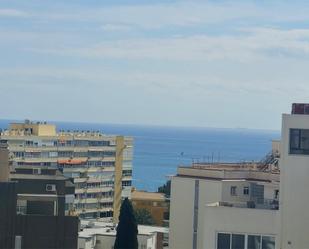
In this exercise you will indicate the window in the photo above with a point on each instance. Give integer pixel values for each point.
(246, 190)
(36, 171)
(268, 242)
(223, 241)
(233, 190)
(254, 242)
(299, 141)
(238, 241)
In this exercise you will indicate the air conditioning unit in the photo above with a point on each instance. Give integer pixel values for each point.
(50, 187)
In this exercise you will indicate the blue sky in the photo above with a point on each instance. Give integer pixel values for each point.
(185, 63)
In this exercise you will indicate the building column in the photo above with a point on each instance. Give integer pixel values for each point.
(118, 177)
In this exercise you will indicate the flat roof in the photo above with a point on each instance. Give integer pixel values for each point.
(144, 195)
(108, 229)
(227, 173)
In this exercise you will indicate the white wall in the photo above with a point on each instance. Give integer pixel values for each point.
(86, 243)
(238, 220)
(294, 197)
(269, 190)
(210, 191)
(182, 209)
(240, 197)
(181, 213)
(108, 241)
(105, 242)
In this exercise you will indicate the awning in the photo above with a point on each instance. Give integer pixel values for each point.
(71, 161)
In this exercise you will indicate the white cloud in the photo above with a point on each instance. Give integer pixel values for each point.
(181, 13)
(12, 13)
(116, 27)
(245, 45)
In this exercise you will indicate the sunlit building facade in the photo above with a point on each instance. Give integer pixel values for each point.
(100, 165)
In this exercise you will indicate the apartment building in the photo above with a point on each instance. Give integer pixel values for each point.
(213, 206)
(100, 165)
(203, 187)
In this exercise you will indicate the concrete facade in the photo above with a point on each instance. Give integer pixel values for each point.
(230, 220)
(294, 198)
(100, 165)
(203, 194)
(260, 219)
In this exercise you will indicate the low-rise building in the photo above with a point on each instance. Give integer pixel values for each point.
(155, 203)
(102, 235)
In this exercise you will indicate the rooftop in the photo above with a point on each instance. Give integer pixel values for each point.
(150, 196)
(228, 171)
(90, 228)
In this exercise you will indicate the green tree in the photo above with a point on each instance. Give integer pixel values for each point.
(126, 237)
(143, 217)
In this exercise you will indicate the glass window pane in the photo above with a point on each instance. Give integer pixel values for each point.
(224, 240)
(294, 138)
(254, 242)
(304, 142)
(238, 241)
(268, 242)
(233, 190)
(299, 141)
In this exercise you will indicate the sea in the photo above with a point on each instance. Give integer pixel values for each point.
(158, 150)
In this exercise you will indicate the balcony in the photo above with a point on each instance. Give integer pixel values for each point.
(269, 204)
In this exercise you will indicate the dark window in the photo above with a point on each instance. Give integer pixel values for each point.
(299, 141)
(238, 241)
(233, 190)
(224, 240)
(246, 190)
(254, 242)
(268, 242)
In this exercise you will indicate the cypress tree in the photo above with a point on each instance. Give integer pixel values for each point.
(126, 237)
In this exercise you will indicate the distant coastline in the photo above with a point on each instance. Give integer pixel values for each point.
(158, 150)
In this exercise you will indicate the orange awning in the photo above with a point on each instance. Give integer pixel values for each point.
(71, 161)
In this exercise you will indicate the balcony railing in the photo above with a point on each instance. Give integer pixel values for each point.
(270, 204)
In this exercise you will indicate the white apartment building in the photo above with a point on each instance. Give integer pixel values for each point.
(216, 207)
(100, 165)
(203, 196)
(101, 235)
(294, 196)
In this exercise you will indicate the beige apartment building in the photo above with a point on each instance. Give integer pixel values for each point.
(238, 206)
(100, 165)
(210, 199)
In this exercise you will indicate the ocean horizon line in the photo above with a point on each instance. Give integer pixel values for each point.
(153, 126)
